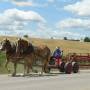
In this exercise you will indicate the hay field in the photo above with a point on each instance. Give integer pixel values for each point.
(66, 46)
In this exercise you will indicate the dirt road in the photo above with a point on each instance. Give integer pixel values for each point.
(80, 81)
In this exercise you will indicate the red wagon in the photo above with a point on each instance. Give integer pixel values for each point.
(82, 58)
(65, 67)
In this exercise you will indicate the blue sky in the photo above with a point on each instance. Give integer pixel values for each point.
(45, 18)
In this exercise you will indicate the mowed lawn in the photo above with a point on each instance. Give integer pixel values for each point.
(66, 46)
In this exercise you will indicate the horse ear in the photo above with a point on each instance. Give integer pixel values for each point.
(19, 39)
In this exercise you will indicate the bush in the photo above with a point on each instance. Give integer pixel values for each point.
(65, 38)
(86, 39)
(26, 36)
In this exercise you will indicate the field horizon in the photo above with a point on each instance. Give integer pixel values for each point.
(66, 45)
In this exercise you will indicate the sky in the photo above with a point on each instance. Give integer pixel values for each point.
(45, 18)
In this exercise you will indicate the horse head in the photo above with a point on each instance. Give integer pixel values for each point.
(5, 45)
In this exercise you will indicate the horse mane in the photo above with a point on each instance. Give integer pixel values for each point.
(24, 47)
(13, 46)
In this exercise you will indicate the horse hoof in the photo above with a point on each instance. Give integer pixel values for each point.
(13, 75)
(40, 74)
(35, 71)
(24, 75)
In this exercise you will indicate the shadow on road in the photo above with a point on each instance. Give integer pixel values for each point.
(37, 75)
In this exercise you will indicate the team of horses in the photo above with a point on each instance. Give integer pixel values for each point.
(25, 53)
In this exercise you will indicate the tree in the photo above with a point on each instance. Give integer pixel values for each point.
(86, 39)
(52, 38)
(65, 38)
(26, 36)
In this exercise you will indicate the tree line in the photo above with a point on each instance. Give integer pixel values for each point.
(86, 39)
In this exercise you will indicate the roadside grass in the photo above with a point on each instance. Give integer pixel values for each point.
(3, 70)
(2, 62)
(2, 58)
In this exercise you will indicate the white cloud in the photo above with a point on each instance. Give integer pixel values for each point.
(22, 3)
(23, 15)
(73, 23)
(14, 19)
(32, 3)
(81, 7)
(28, 3)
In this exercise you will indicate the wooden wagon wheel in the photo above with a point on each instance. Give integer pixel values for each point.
(75, 67)
(62, 67)
(68, 68)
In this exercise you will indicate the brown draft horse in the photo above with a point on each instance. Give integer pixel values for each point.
(10, 54)
(25, 50)
(44, 54)
(34, 52)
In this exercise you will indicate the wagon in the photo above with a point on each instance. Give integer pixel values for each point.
(82, 58)
(63, 66)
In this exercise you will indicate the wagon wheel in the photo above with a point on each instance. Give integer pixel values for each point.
(62, 67)
(75, 67)
(68, 68)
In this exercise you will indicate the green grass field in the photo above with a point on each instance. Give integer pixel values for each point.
(2, 65)
(66, 46)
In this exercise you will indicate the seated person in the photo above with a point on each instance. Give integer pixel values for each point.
(58, 54)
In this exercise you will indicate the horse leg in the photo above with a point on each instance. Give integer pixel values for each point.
(46, 64)
(6, 66)
(24, 69)
(15, 66)
(43, 67)
(42, 70)
(29, 64)
(28, 69)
